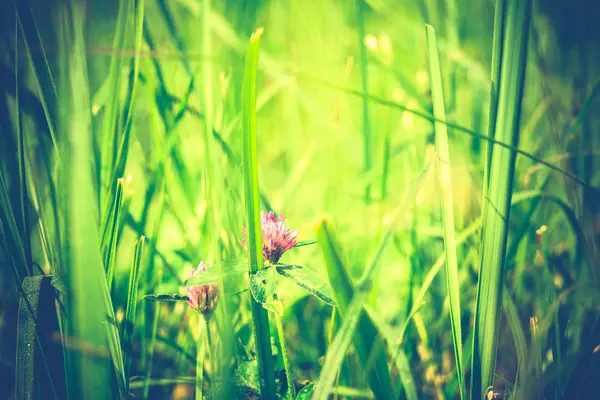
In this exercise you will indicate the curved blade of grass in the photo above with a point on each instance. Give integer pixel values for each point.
(452, 125)
(399, 356)
(497, 199)
(536, 196)
(356, 323)
(339, 346)
(445, 176)
(260, 316)
(367, 338)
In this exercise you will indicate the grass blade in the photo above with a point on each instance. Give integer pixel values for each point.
(36, 323)
(118, 116)
(260, 316)
(131, 306)
(514, 323)
(457, 128)
(497, 198)
(108, 245)
(445, 176)
(91, 320)
(356, 323)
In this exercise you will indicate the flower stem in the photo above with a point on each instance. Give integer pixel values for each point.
(211, 359)
(200, 361)
(291, 389)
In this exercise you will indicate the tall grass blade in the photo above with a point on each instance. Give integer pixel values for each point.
(118, 117)
(91, 321)
(497, 51)
(108, 244)
(260, 316)
(356, 323)
(41, 69)
(11, 235)
(131, 306)
(497, 199)
(445, 179)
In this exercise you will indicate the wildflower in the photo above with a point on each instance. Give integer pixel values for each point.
(276, 238)
(203, 298)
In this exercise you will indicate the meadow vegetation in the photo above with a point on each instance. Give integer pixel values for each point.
(304, 200)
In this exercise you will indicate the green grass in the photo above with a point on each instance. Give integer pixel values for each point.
(506, 105)
(159, 119)
(260, 315)
(445, 179)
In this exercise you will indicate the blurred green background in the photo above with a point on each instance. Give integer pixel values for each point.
(160, 106)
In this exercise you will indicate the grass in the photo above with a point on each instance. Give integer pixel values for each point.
(471, 277)
(445, 178)
(260, 316)
(514, 33)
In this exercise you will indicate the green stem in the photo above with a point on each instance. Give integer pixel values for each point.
(151, 352)
(200, 360)
(211, 360)
(291, 389)
(331, 327)
(260, 317)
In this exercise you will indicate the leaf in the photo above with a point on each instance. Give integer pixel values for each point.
(131, 306)
(306, 392)
(305, 243)
(165, 297)
(247, 374)
(445, 182)
(309, 281)
(510, 37)
(110, 232)
(88, 303)
(37, 320)
(263, 285)
(260, 318)
(58, 284)
(357, 325)
(211, 275)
